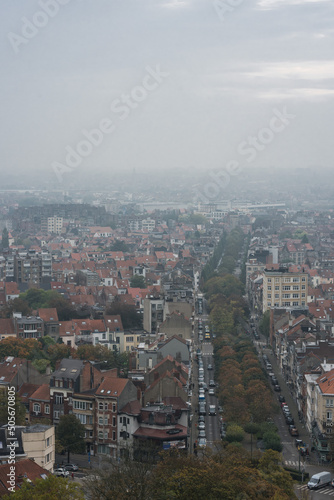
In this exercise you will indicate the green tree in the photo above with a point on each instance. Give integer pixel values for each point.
(71, 433)
(119, 246)
(5, 239)
(55, 488)
(137, 281)
(20, 411)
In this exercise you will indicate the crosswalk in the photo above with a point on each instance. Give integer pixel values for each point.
(293, 463)
(328, 490)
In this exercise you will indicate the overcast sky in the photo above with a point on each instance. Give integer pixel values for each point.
(225, 72)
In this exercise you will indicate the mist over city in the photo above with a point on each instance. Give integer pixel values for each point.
(167, 249)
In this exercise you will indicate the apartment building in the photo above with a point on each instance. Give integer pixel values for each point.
(52, 225)
(282, 288)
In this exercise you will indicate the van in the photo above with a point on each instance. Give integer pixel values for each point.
(201, 372)
(319, 480)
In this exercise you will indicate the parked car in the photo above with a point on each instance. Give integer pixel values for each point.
(289, 420)
(201, 434)
(210, 366)
(211, 391)
(61, 472)
(293, 430)
(201, 418)
(281, 398)
(201, 426)
(202, 443)
(277, 388)
(71, 467)
(212, 383)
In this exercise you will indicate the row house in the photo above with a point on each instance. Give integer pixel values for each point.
(72, 376)
(112, 395)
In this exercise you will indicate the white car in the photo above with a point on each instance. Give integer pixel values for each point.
(62, 472)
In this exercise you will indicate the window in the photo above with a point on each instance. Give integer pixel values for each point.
(303, 287)
(113, 435)
(105, 420)
(82, 418)
(106, 406)
(276, 288)
(287, 280)
(47, 442)
(129, 339)
(329, 402)
(80, 405)
(100, 406)
(295, 287)
(286, 295)
(90, 434)
(114, 421)
(329, 415)
(56, 414)
(106, 435)
(276, 304)
(295, 295)
(269, 304)
(295, 280)
(269, 287)
(100, 435)
(276, 280)
(285, 287)
(114, 407)
(269, 280)
(295, 303)
(100, 420)
(47, 409)
(269, 295)
(37, 408)
(286, 304)
(303, 278)
(59, 399)
(276, 295)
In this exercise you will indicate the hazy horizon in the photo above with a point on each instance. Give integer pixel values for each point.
(180, 85)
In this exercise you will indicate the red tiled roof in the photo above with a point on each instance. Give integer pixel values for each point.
(25, 469)
(111, 387)
(48, 314)
(42, 393)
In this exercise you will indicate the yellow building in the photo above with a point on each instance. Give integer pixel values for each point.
(39, 444)
(284, 289)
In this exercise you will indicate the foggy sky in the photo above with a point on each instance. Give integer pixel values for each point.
(228, 68)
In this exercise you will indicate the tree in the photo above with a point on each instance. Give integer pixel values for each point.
(264, 325)
(5, 239)
(128, 313)
(137, 281)
(234, 433)
(55, 488)
(20, 411)
(70, 432)
(119, 246)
